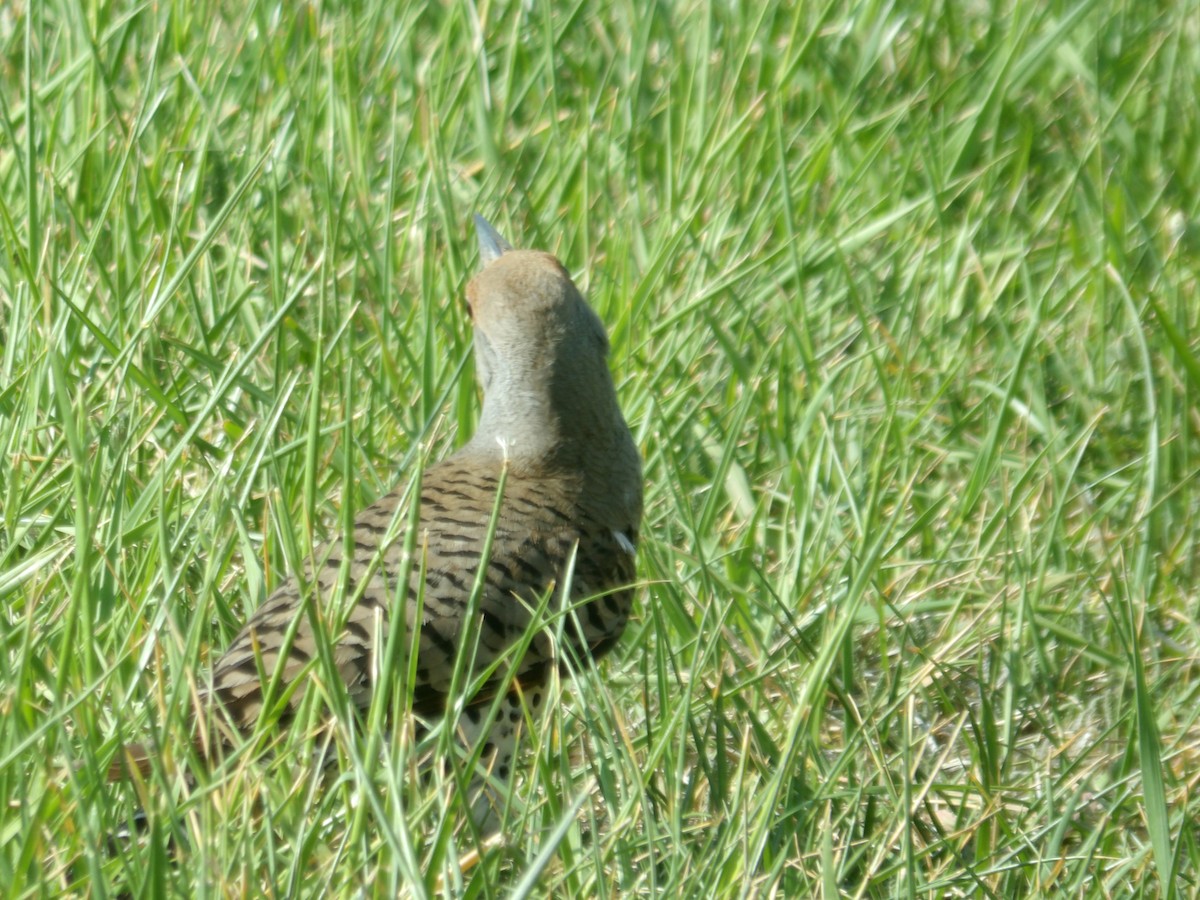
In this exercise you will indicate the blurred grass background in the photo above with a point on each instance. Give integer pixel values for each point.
(904, 312)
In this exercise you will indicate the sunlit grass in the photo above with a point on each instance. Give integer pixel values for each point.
(903, 307)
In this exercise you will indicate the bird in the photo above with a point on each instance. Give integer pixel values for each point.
(539, 509)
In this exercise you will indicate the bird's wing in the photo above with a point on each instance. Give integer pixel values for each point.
(536, 542)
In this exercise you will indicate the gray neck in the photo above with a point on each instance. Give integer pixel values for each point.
(559, 422)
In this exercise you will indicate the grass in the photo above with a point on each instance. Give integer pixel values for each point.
(903, 303)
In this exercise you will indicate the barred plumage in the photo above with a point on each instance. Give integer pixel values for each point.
(572, 495)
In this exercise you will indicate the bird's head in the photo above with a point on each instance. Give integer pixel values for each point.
(540, 350)
(530, 320)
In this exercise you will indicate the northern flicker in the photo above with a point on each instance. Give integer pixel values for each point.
(553, 444)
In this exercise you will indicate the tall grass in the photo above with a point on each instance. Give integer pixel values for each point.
(904, 309)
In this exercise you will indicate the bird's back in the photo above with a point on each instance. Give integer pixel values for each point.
(543, 527)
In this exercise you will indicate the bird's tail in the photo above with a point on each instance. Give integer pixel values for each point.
(130, 758)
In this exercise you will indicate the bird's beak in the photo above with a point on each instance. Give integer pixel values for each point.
(491, 245)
